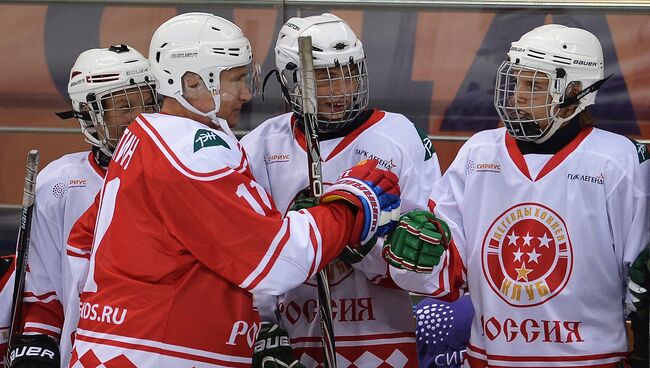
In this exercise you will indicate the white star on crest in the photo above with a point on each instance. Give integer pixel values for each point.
(513, 238)
(543, 241)
(518, 255)
(532, 256)
(527, 239)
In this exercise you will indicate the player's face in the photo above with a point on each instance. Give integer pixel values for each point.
(532, 98)
(121, 108)
(336, 88)
(235, 92)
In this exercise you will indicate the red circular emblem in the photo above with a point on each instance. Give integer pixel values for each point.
(527, 255)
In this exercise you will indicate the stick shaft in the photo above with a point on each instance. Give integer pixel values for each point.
(310, 116)
(22, 243)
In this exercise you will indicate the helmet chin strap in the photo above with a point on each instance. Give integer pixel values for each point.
(573, 100)
(557, 124)
(219, 122)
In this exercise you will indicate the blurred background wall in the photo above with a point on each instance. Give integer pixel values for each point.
(433, 61)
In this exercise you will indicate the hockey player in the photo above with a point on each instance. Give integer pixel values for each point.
(184, 233)
(108, 88)
(363, 295)
(547, 214)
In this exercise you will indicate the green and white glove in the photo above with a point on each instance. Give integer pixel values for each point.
(639, 283)
(272, 348)
(417, 243)
(302, 200)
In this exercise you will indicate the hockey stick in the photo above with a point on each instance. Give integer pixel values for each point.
(309, 118)
(22, 244)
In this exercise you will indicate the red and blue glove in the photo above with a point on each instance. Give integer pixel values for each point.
(375, 193)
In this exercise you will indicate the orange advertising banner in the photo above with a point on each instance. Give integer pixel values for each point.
(436, 66)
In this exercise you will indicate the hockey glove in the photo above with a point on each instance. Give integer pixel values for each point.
(272, 349)
(302, 200)
(375, 193)
(417, 243)
(351, 255)
(34, 351)
(639, 283)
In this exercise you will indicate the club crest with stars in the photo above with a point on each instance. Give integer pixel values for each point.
(527, 256)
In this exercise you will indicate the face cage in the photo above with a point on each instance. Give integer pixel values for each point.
(527, 108)
(110, 123)
(348, 92)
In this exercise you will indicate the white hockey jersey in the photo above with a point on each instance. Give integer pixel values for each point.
(183, 235)
(6, 298)
(64, 190)
(373, 319)
(546, 241)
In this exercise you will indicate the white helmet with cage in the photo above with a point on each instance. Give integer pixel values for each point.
(204, 44)
(107, 83)
(334, 45)
(542, 67)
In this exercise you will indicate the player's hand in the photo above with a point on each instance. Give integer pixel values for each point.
(302, 201)
(33, 351)
(375, 194)
(351, 255)
(639, 283)
(272, 349)
(417, 243)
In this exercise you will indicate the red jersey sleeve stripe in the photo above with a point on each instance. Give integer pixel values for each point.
(450, 278)
(44, 298)
(76, 255)
(316, 246)
(279, 237)
(274, 258)
(42, 328)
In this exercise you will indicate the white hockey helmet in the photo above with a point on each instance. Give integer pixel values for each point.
(103, 85)
(555, 55)
(334, 45)
(204, 44)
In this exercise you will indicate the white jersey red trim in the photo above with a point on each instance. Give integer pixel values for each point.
(545, 243)
(65, 188)
(363, 295)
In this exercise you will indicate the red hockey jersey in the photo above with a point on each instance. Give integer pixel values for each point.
(183, 233)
